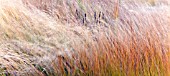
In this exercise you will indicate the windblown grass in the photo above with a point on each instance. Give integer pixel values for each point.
(84, 37)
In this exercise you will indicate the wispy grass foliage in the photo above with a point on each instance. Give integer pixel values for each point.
(84, 37)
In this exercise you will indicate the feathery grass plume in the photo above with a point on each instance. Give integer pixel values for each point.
(30, 37)
(48, 37)
(138, 47)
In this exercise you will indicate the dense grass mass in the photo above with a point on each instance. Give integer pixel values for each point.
(84, 38)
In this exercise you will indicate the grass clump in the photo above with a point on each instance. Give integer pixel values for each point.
(84, 38)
